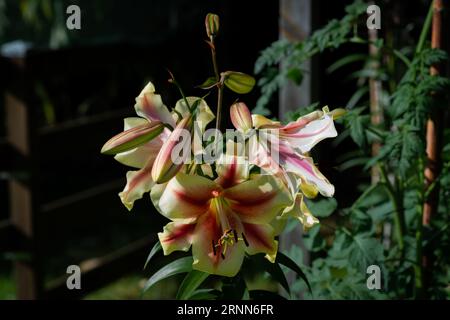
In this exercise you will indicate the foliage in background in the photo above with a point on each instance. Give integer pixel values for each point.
(384, 225)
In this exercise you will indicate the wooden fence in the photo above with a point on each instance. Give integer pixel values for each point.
(59, 184)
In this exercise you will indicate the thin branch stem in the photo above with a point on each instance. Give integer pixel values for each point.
(219, 85)
(396, 202)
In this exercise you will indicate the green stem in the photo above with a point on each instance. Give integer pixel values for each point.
(219, 86)
(219, 107)
(214, 60)
(425, 29)
(396, 202)
(418, 267)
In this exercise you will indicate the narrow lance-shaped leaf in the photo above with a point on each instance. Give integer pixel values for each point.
(288, 262)
(205, 294)
(190, 283)
(208, 83)
(181, 265)
(156, 248)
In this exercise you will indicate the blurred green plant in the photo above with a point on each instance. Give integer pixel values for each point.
(350, 239)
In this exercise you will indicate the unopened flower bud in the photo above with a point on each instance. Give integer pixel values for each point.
(241, 117)
(212, 25)
(132, 138)
(238, 82)
(167, 164)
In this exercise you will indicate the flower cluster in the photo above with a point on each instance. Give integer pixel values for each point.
(235, 202)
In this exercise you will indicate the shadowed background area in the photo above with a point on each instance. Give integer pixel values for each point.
(66, 92)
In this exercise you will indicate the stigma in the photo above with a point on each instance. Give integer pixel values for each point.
(229, 238)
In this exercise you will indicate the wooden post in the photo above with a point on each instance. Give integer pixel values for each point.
(295, 25)
(433, 150)
(433, 125)
(20, 134)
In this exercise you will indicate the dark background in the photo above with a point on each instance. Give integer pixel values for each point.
(76, 76)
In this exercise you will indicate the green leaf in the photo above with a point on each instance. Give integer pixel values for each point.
(190, 283)
(322, 208)
(288, 262)
(209, 83)
(265, 295)
(181, 265)
(356, 97)
(273, 269)
(346, 60)
(313, 240)
(238, 82)
(296, 75)
(233, 288)
(360, 161)
(205, 294)
(156, 248)
(367, 251)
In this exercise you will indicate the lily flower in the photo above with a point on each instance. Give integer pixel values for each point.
(282, 150)
(221, 219)
(143, 137)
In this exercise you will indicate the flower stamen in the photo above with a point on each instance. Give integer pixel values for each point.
(214, 247)
(245, 239)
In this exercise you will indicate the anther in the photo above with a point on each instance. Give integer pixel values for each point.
(223, 256)
(213, 247)
(245, 240)
(235, 236)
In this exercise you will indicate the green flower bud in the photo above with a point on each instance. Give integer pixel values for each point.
(212, 25)
(238, 82)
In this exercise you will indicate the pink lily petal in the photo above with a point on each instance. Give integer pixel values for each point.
(261, 239)
(257, 200)
(212, 259)
(305, 168)
(177, 236)
(305, 138)
(301, 122)
(259, 155)
(138, 183)
(231, 170)
(150, 106)
(184, 196)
